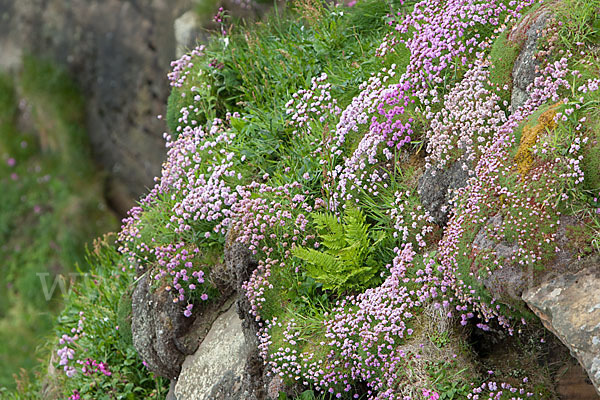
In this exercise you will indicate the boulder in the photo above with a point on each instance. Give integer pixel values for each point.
(569, 306)
(157, 324)
(162, 335)
(216, 370)
(435, 189)
(227, 364)
(240, 262)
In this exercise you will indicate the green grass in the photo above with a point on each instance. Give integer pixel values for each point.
(580, 22)
(261, 66)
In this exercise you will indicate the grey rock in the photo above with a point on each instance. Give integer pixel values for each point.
(216, 371)
(524, 71)
(162, 335)
(157, 326)
(256, 382)
(239, 260)
(435, 189)
(508, 282)
(569, 306)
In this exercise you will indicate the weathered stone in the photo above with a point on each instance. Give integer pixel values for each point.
(569, 306)
(256, 383)
(157, 324)
(436, 186)
(216, 371)
(162, 335)
(507, 282)
(171, 392)
(239, 260)
(525, 68)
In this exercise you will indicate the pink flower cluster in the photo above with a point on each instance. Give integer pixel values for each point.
(315, 103)
(183, 67)
(411, 222)
(67, 353)
(90, 367)
(470, 116)
(494, 391)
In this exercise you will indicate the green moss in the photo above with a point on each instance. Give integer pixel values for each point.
(591, 160)
(503, 56)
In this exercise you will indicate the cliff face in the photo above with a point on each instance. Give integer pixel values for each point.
(119, 53)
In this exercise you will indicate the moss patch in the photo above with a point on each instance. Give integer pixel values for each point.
(591, 159)
(530, 136)
(503, 56)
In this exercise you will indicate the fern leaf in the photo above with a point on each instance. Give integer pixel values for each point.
(356, 227)
(335, 240)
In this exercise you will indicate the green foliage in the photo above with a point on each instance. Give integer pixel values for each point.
(347, 261)
(449, 383)
(124, 319)
(308, 294)
(591, 162)
(256, 69)
(591, 111)
(100, 297)
(580, 22)
(49, 208)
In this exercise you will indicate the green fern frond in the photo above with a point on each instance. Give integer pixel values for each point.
(355, 226)
(328, 222)
(346, 259)
(325, 261)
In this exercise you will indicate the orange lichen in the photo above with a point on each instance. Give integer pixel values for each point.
(530, 136)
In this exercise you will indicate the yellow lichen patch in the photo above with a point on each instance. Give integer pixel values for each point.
(530, 136)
